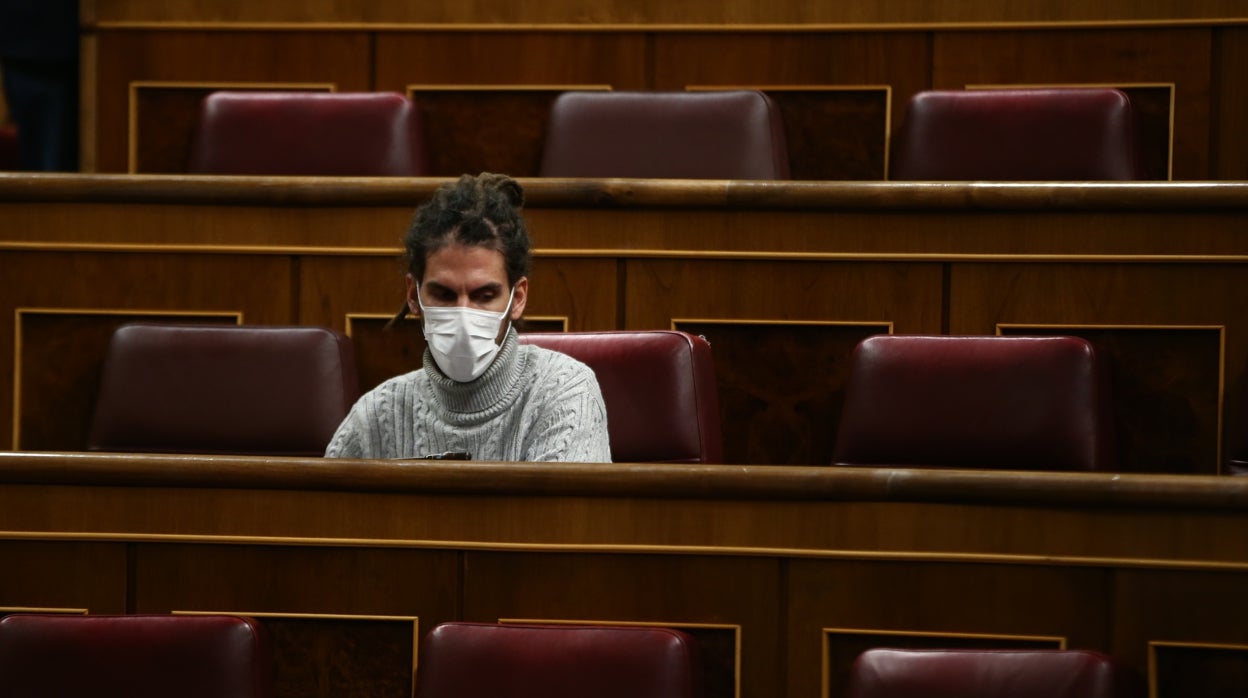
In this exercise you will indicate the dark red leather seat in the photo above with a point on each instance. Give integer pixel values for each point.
(471, 660)
(309, 133)
(1023, 134)
(137, 656)
(248, 390)
(895, 673)
(735, 134)
(1031, 403)
(659, 388)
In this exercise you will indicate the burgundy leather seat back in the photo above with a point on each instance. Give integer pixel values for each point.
(735, 134)
(223, 389)
(1032, 403)
(138, 656)
(470, 660)
(659, 388)
(309, 133)
(890, 673)
(1027, 134)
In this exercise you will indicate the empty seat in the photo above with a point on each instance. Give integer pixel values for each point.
(659, 389)
(1018, 134)
(735, 134)
(473, 660)
(309, 133)
(136, 656)
(895, 673)
(1033, 403)
(169, 388)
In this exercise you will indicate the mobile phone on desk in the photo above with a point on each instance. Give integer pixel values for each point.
(445, 455)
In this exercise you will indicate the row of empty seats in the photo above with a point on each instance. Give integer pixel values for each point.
(215, 656)
(1037, 403)
(1033, 134)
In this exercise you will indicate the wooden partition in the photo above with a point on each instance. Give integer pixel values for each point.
(783, 573)
(842, 72)
(782, 278)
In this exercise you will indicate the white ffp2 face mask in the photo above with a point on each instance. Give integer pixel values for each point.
(461, 339)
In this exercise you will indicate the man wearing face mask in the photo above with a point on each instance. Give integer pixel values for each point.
(480, 392)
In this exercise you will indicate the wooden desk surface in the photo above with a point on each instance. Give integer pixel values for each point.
(784, 572)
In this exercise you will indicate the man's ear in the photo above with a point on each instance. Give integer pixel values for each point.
(520, 298)
(413, 288)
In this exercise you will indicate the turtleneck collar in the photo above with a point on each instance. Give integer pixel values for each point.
(489, 393)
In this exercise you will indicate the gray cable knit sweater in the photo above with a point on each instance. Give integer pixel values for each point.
(531, 404)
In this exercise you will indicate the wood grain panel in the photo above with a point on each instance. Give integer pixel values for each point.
(1229, 139)
(835, 134)
(1198, 670)
(772, 413)
(472, 131)
(901, 60)
(516, 58)
(1166, 385)
(367, 600)
(1206, 607)
(769, 412)
(64, 575)
(662, 291)
(337, 58)
(341, 656)
(935, 598)
(656, 11)
(1174, 295)
(780, 383)
(360, 581)
(642, 588)
(1080, 57)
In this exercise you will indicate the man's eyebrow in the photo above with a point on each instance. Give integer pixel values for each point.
(489, 286)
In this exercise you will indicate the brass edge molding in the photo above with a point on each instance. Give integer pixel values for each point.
(45, 609)
(625, 253)
(413, 88)
(885, 324)
(1153, 646)
(826, 633)
(1220, 329)
(734, 627)
(132, 105)
(1148, 85)
(662, 27)
(300, 616)
(18, 312)
(163, 248)
(1030, 559)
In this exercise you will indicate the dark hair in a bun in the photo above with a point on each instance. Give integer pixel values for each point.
(483, 210)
